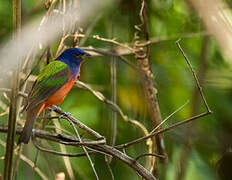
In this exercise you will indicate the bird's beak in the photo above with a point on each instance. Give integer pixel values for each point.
(87, 54)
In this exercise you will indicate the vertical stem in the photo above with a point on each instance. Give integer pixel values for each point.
(113, 71)
(113, 81)
(186, 149)
(8, 163)
(16, 17)
(147, 79)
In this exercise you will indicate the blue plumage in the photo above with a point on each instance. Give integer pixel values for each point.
(73, 58)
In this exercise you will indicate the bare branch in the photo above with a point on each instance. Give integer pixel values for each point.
(163, 130)
(149, 154)
(75, 121)
(9, 151)
(109, 53)
(195, 77)
(103, 148)
(86, 152)
(29, 162)
(112, 105)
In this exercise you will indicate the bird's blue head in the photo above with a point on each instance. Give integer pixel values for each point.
(73, 57)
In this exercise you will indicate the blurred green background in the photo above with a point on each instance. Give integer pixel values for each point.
(204, 142)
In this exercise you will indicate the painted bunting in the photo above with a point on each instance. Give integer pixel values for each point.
(51, 86)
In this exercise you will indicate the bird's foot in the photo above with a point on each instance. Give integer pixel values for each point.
(64, 114)
(52, 108)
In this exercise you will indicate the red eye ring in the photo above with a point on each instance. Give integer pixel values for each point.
(76, 55)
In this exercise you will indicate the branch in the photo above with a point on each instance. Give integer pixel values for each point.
(181, 122)
(28, 161)
(149, 154)
(109, 53)
(112, 105)
(163, 130)
(65, 139)
(78, 123)
(195, 77)
(142, 54)
(9, 152)
(183, 160)
(86, 152)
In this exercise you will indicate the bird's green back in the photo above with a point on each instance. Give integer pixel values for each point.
(51, 69)
(50, 79)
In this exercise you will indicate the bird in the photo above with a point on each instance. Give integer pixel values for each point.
(51, 87)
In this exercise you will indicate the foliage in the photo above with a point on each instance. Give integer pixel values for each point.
(168, 21)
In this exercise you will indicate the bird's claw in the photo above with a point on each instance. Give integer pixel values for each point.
(52, 108)
(67, 114)
(64, 114)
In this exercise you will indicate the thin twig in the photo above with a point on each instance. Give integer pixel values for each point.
(113, 74)
(113, 41)
(150, 154)
(33, 69)
(29, 162)
(19, 151)
(113, 106)
(102, 148)
(195, 76)
(181, 107)
(9, 90)
(153, 131)
(22, 88)
(163, 130)
(59, 153)
(87, 154)
(101, 97)
(66, 160)
(109, 53)
(90, 28)
(80, 124)
(143, 56)
(9, 151)
(109, 168)
(186, 149)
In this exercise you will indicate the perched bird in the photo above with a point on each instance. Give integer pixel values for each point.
(51, 86)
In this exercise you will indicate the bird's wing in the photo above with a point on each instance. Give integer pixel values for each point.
(51, 78)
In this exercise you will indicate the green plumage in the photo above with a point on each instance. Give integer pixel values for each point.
(50, 79)
(51, 69)
(51, 87)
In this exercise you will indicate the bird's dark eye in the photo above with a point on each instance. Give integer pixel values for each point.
(76, 55)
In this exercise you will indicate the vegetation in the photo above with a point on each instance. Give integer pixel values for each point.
(136, 77)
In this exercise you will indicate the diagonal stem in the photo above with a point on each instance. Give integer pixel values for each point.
(195, 76)
(87, 154)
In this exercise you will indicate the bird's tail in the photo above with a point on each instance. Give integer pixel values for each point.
(30, 120)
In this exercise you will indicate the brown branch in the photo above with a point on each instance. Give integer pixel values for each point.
(102, 98)
(60, 153)
(112, 105)
(162, 130)
(61, 138)
(90, 28)
(110, 53)
(128, 160)
(58, 110)
(149, 154)
(9, 90)
(195, 77)
(9, 151)
(78, 123)
(83, 147)
(28, 161)
(186, 149)
(181, 122)
(142, 54)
